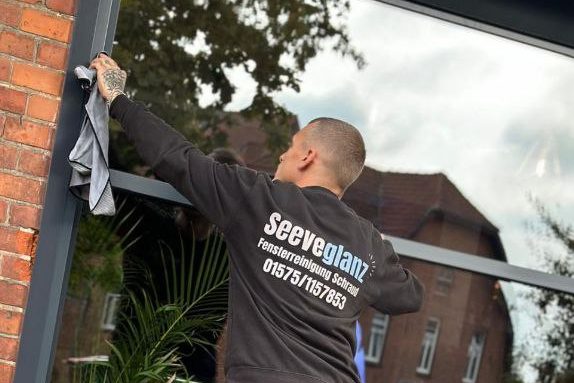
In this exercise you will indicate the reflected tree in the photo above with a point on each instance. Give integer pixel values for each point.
(176, 50)
(556, 363)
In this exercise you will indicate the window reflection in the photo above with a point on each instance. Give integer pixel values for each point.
(377, 338)
(428, 346)
(110, 311)
(444, 280)
(474, 356)
(152, 282)
(469, 148)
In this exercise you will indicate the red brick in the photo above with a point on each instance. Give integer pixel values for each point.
(16, 268)
(29, 133)
(52, 55)
(10, 322)
(5, 69)
(17, 45)
(6, 373)
(43, 24)
(21, 189)
(7, 239)
(16, 241)
(3, 211)
(8, 348)
(25, 216)
(64, 6)
(12, 100)
(33, 163)
(10, 14)
(2, 121)
(8, 156)
(13, 294)
(44, 80)
(43, 108)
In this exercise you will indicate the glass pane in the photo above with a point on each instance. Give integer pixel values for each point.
(149, 281)
(526, 333)
(469, 147)
(463, 129)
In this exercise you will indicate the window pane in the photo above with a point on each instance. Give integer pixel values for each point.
(474, 355)
(377, 338)
(131, 277)
(428, 347)
(491, 330)
(463, 129)
(469, 147)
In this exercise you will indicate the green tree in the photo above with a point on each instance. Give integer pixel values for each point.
(173, 48)
(556, 308)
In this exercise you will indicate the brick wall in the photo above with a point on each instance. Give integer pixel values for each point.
(34, 41)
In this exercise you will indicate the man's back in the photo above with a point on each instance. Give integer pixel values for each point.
(304, 265)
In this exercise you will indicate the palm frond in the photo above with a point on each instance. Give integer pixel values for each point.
(146, 341)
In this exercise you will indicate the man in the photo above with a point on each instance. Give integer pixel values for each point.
(303, 265)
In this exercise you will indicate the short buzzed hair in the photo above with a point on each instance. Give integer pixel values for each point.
(344, 146)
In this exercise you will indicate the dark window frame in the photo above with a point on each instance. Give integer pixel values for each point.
(62, 210)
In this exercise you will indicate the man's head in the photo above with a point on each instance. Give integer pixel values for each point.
(327, 152)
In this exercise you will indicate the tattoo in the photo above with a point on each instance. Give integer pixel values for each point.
(114, 82)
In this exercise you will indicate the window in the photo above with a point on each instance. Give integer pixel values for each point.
(474, 355)
(110, 310)
(444, 280)
(428, 346)
(377, 338)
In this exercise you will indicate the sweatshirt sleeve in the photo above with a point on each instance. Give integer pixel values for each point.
(215, 189)
(400, 291)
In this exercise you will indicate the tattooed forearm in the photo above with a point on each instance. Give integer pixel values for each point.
(114, 81)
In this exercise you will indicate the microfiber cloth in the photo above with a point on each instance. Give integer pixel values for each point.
(89, 158)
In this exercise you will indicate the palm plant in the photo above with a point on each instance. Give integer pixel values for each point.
(152, 327)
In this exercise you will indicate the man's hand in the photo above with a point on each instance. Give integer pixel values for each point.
(111, 78)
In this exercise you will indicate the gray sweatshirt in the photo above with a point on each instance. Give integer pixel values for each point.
(302, 263)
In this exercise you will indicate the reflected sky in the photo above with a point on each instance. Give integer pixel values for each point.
(490, 113)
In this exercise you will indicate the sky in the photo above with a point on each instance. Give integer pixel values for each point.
(492, 114)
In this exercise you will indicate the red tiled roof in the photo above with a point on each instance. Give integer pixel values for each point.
(398, 203)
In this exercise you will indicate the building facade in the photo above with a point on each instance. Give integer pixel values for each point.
(464, 315)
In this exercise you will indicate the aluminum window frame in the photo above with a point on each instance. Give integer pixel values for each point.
(95, 21)
(62, 210)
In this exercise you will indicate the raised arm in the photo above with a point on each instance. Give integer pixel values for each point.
(215, 189)
(400, 291)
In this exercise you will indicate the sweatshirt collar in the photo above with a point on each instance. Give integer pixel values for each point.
(321, 189)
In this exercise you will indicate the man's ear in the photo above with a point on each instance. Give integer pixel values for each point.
(308, 159)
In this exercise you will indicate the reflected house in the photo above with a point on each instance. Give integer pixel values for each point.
(463, 332)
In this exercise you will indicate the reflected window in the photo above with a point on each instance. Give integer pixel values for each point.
(474, 355)
(110, 311)
(444, 280)
(428, 346)
(377, 338)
